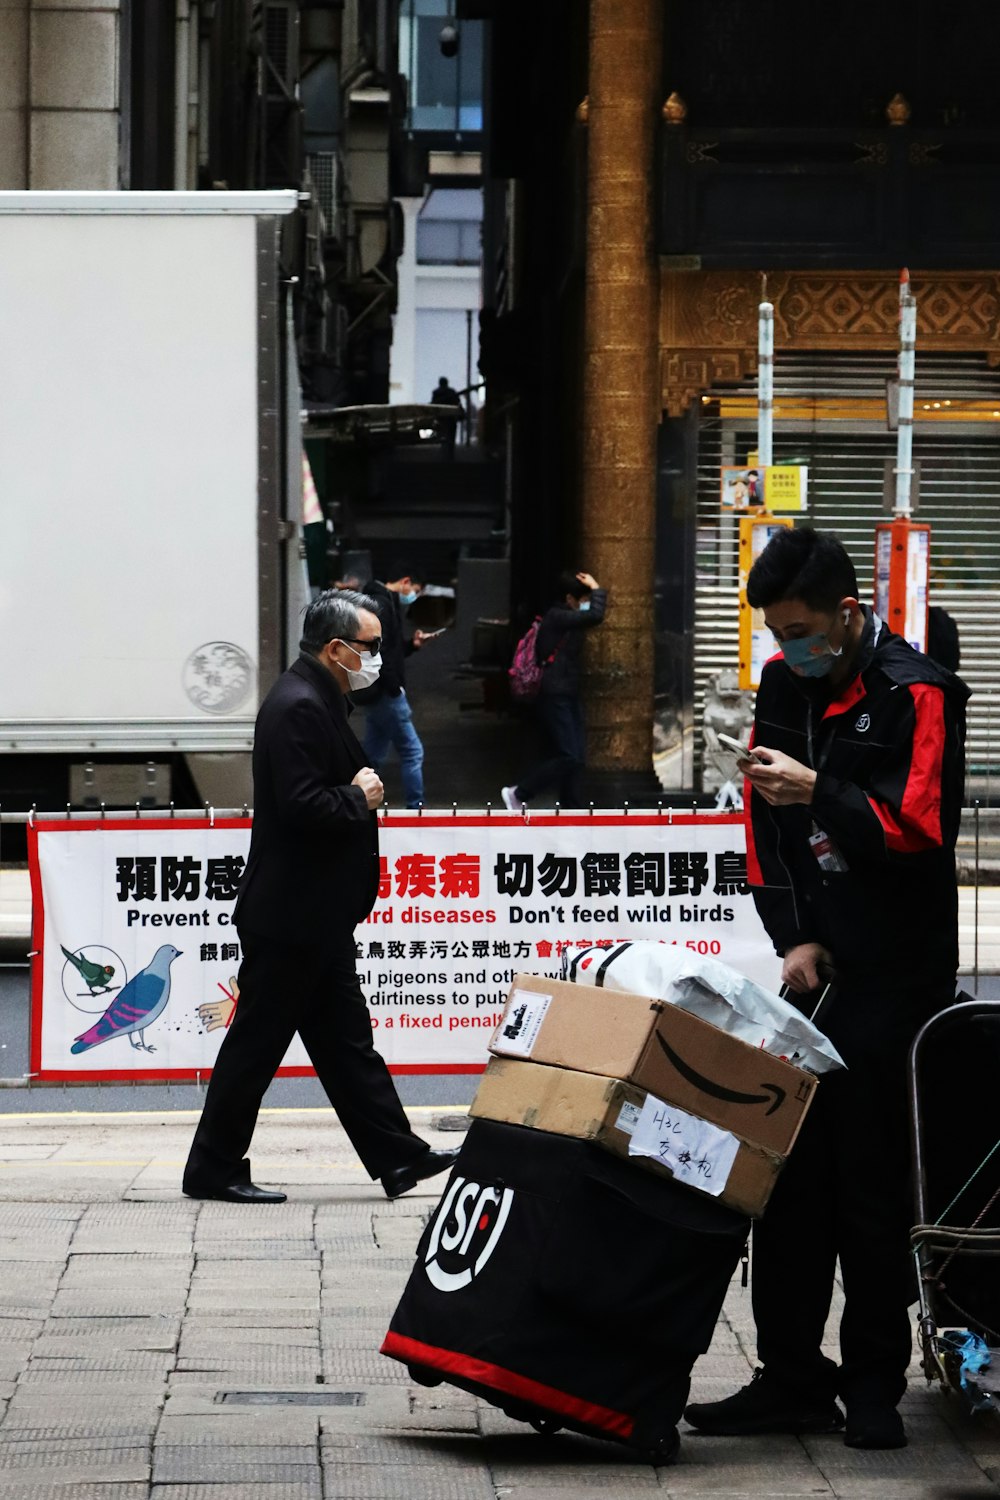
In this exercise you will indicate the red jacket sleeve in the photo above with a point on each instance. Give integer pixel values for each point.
(906, 810)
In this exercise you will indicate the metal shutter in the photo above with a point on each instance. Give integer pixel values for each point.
(959, 497)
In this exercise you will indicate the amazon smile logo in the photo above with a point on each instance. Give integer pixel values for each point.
(773, 1095)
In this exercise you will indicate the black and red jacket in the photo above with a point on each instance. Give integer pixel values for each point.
(888, 748)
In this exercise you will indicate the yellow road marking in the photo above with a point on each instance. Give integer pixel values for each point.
(161, 1161)
(39, 1117)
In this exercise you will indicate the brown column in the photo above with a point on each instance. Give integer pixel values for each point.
(620, 394)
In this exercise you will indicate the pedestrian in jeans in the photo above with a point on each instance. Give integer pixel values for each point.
(388, 719)
(579, 606)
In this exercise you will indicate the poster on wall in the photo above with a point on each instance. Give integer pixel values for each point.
(137, 969)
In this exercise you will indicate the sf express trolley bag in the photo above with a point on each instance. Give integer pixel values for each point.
(566, 1287)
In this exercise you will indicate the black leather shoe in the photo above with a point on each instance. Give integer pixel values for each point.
(871, 1426)
(402, 1179)
(239, 1192)
(765, 1406)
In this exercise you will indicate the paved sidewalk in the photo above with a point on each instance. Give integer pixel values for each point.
(136, 1328)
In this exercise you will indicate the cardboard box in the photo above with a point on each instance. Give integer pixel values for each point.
(608, 1112)
(660, 1048)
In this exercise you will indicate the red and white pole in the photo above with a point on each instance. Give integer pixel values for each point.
(902, 546)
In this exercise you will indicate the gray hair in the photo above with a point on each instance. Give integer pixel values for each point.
(333, 616)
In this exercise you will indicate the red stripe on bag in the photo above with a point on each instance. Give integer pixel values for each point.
(412, 1351)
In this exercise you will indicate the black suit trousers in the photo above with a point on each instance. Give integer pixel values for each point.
(313, 990)
(845, 1193)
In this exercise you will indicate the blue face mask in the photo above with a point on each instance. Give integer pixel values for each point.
(812, 655)
(584, 604)
(409, 598)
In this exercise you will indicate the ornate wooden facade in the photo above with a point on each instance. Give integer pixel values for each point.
(708, 319)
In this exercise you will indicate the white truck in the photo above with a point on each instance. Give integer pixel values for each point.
(151, 579)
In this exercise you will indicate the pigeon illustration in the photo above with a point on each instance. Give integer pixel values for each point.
(97, 977)
(138, 1005)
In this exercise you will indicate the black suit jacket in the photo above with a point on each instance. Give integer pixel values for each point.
(313, 861)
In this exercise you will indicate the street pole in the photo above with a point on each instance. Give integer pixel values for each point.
(765, 381)
(902, 546)
(621, 403)
(468, 376)
(907, 372)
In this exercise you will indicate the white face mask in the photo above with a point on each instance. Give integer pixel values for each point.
(367, 671)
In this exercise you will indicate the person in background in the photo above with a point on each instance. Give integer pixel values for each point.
(943, 645)
(444, 394)
(388, 717)
(579, 607)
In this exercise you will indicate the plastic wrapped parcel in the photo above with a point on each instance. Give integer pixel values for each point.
(713, 991)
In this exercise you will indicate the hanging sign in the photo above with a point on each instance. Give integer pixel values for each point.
(137, 968)
(757, 643)
(786, 487)
(902, 577)
(774, 487)
(742, 490)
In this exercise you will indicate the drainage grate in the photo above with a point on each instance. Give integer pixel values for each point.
(290, 1398)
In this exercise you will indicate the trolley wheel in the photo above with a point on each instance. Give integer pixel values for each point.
(662, 1453)
(545, 1426)
(420, 1375)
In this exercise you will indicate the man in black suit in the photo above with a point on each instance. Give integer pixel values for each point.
(311, 876)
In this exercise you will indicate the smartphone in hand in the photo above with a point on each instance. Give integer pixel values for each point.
(739, 749)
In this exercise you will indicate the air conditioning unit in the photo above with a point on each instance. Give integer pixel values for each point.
(276, 27)
(326, 174)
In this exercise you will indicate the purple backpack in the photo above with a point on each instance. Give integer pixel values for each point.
(525, 671)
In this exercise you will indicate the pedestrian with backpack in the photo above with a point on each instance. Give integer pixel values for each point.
(546, 674)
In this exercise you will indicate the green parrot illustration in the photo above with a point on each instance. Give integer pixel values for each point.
(96, 977)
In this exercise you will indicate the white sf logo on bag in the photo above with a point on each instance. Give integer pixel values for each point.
(467, 1227)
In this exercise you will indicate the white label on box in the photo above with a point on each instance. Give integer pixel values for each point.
(696, 1152)
(518, 1031)
(628, 1118)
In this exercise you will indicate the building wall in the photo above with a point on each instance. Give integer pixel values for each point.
(59, 94)
(431, 328)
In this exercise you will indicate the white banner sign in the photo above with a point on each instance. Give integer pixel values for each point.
(138, 962)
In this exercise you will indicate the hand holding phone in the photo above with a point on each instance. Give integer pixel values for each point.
(422, 636)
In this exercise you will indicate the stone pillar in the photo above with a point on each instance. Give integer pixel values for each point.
(620, 398)
(59, 93)
(14, 24)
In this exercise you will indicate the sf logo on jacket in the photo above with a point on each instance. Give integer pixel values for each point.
(465, 1232)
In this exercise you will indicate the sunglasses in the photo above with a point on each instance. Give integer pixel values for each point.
(373, 646)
